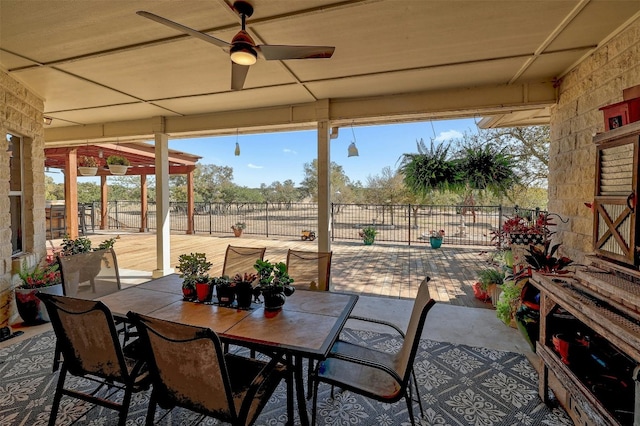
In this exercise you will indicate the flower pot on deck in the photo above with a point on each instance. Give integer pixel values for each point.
(31, 309)
(435, 242)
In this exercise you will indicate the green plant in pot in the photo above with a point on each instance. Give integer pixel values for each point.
(274, 283)
(238, 228)
(118, 164)
(243, 287)
(224, 290)
(488, 280)
(368, 235)
(193, 268)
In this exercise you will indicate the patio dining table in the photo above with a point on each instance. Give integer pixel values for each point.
(306, 327)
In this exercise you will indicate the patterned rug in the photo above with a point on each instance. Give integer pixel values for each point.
(459, 385)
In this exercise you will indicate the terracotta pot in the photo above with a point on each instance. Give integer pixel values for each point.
(479, 293)
(237, 232)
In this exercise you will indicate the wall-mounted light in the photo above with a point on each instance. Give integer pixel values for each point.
(353, 150)
(47, 120)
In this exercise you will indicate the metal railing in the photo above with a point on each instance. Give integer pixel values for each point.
(404, 223)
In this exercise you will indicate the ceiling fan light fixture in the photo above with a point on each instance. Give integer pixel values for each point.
(243, 53)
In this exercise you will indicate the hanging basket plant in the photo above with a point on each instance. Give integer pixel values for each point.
(118, 165)
(88, 165)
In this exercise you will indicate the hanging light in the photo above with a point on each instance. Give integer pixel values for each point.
(353, 150)
(237, 151)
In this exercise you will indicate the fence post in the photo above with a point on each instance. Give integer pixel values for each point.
(210, 217)
(266, 215)
(117, 218)
(409, 230)
(500, 236)
(332, 222)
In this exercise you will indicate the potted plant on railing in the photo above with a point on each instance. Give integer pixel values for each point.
(368, 235)
(118, 165)
(42, 277)
(243, 286)
(88, 165)
(238, 228)
(274, 283)
(194, 269)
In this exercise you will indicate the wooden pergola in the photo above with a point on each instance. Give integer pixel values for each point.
(142, 158)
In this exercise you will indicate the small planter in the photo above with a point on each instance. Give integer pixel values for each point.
(244, 295)
(204, 292)
(526, 239)
(237, 232)
(226, 295)
(189, 293)
(31, 309)
(435, 242)
(368, 241)
(479, 293)
(118, 169)
(88, 171)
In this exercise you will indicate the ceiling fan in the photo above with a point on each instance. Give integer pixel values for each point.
(242, 49)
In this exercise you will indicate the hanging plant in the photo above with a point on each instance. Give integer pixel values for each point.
(118, 165)
(88, 165)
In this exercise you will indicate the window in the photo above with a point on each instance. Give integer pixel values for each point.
(14, 148)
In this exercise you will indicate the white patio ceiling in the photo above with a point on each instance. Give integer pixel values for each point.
(106, 73)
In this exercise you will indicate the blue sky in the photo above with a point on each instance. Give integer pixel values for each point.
(266, 158)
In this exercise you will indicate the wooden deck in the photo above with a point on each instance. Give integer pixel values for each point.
(382, 269)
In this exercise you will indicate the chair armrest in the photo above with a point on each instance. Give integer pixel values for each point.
(367, 363)
(376, 321)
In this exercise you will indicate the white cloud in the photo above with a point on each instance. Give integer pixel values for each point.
(448, 135)
(253, 166)
(289, 151)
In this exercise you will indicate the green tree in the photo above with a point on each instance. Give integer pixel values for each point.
(53, 191)
(339, 182)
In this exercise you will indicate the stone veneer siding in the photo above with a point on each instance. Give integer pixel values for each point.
(20, 114)
(596, 82)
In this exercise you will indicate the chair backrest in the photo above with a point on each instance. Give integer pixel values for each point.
(407, 354)
(238, 260)
(310, 270)
(187, 367)
(87, 337)
(90, 275)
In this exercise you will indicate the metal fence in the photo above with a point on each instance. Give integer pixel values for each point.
(404, 223)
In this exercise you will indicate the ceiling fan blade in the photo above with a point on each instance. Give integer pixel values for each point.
(275, 52)
(183, 29)
(238, 75)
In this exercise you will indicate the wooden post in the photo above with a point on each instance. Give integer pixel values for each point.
(71, 193)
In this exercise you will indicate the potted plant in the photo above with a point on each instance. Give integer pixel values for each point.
(88, 165)
(193, 268)
(435, 239)
(43, 277)
(274, 283)
(368, 235)
(238, 228)
(224, 290)
(488, 285)
(118, 165)
(243, 286)
(82, 262)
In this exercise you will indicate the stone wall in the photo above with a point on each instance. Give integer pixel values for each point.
(596, 82)
(21, 115)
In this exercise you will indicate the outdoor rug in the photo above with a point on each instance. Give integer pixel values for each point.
(459, 385)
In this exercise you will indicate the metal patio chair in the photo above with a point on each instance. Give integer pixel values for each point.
(189, 369)
(382, 376)
(238, 260)
(310, 270)
(87, 336)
